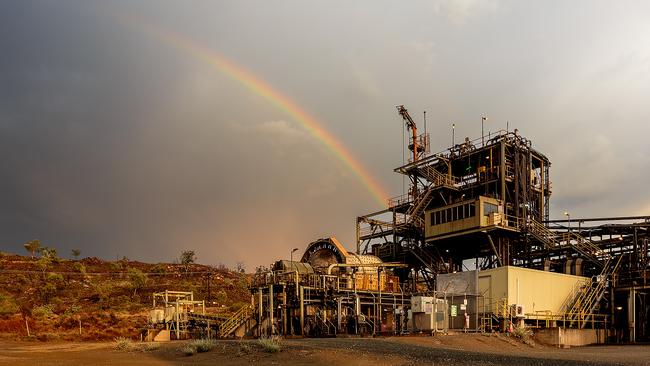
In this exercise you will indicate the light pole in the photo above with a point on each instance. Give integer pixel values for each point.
(293, 250)
(453, 134)
(568, 217)
(483, 119)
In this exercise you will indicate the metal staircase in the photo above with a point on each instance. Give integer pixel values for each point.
(436, 178)
(579, 243)
(585, 247)
(414, 212)
(588, 297)
(542, 233)
(240, 317)
(427, 260)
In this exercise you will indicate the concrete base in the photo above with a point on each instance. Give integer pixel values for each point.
(570, 337)
(162, 336)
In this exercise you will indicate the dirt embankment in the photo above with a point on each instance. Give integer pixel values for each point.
(92, 299)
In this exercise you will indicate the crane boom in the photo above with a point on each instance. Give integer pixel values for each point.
(410, 125)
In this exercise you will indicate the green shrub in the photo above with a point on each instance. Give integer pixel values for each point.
(202, 345)
(197, 346)
(72, 310)
(523, 333)
(244, 348)
(148, 347)
(47, 291)
(55, 277)
(188, 350)
(43, 311)
(79, 267)
(159, 268)
(8, 305)
(124, 344)
(271, 344)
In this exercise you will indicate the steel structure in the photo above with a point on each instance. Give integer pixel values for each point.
(476, 206)
(484, 203)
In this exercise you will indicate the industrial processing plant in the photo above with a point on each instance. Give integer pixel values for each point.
(471, 248)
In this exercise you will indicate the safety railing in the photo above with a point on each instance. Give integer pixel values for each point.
(542, 233)
(588, 299)
(234, 322)
(400, 200)
(584, 246)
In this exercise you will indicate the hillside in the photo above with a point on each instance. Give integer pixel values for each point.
(93, 299)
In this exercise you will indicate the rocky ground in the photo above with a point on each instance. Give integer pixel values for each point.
(440, 350)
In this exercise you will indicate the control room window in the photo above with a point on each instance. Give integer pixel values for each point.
(472, 210)
(488, 208)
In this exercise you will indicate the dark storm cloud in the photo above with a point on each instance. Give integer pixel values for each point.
(117, 143)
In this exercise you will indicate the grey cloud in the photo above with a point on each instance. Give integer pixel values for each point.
(120, 144)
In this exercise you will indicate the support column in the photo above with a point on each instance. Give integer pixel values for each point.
(631, 314)
(302, 311)
(259, 312)
(338, 314)
(272, 323)
(285, 313)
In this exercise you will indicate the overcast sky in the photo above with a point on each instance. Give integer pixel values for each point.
(118, 143)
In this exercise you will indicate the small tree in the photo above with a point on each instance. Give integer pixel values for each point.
(137, 278)
(33, 246)
(187, 257)
(75, 253)
(49, 253)
(241, 267)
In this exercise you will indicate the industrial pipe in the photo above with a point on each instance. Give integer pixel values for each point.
(353, 265)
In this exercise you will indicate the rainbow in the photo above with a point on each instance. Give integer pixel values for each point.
(281, 101)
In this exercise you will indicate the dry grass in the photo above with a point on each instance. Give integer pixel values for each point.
(197, 346)
(271, 344)
(128, 345)
(524, 334)
(124, 344)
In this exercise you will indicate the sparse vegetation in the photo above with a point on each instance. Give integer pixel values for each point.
(49, 253)
(188, 350)
(123, 344)
(271, 344)
(79, 267)
(159, 268)
(188, 257)
(88, 300)
(241, 267)
(197, 346)
(8, 305)
(33, 246)
(75, 253)
(203, 345)
(137, 278)
(244, 348)
(524, 334)
(43, 311)
(149, 346)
